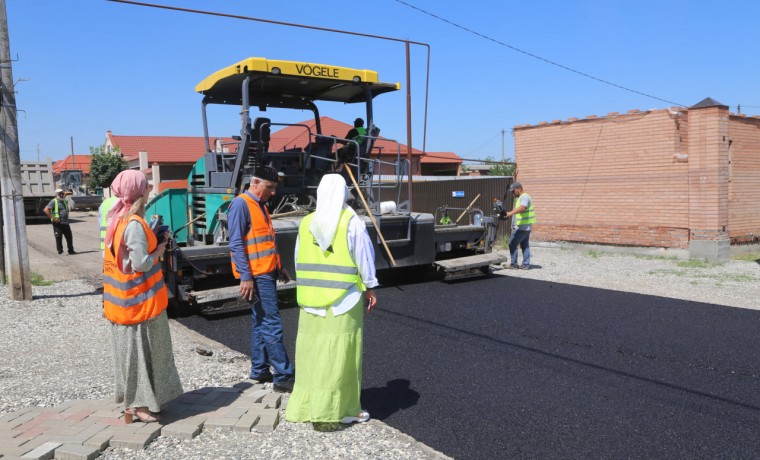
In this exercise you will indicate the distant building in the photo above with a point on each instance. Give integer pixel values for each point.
(676, 178)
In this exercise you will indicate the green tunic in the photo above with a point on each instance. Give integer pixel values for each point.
(329, 366)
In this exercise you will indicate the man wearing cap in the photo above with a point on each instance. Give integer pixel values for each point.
(524, 218)
(256, 263)
(58, 212)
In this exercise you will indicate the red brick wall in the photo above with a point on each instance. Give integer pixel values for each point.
(744, 189)
(608, 180)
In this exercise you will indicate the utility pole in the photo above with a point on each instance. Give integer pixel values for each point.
(14, 220)
(502, 145)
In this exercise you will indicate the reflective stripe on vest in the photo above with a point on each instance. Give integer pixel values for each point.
(259, 241)
(135, 297)
(324, 278)
(526, 217)
(103, 218)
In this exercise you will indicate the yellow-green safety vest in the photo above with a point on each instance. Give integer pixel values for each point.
(105, 206)
(324, 278)
(526, 217)
(362, 132)
(55, 209)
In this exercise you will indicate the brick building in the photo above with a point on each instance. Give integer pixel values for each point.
(678, 178)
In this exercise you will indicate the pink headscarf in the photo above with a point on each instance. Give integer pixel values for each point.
(128, 186)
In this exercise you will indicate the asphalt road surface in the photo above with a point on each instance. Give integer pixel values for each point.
(476, 370)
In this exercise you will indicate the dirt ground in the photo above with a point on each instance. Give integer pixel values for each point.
(87, 264)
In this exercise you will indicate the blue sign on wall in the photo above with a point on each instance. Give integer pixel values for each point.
(457, 194)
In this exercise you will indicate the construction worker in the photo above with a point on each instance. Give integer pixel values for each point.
(103, 209)
(256, 263)
(58, 212)
(524, 219)
(335, 268)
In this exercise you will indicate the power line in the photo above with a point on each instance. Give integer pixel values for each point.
(513, 48)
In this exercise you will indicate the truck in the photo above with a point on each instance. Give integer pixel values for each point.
(37, 188)
(197, 268)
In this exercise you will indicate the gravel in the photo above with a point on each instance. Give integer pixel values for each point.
(57, 347)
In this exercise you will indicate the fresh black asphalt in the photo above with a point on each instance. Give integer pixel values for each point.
(504, 367)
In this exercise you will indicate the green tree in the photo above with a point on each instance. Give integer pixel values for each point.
(105, 166)
(500, 169)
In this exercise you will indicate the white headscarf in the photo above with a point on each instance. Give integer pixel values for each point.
(332, 194)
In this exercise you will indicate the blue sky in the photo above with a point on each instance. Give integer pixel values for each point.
(94, 65)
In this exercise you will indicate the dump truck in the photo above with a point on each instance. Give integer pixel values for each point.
(38, 188)
(197, 265)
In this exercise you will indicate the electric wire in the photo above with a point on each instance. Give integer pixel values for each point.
(514, 48)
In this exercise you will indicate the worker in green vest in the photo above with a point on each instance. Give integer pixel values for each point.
(335, 272)
(105, 206)
(58, 212)
(522, 223)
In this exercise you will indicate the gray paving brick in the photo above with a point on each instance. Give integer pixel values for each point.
(231, 412)
(81, 436)
(25, 417)
(284, 402)
(268, 421)
(102, 439)
(246, 422)
(43, 452)
(151, 429)
(254, 396)
(220, 423)
(181, 430)
(133, 441)
(76, 452)
(271, 400)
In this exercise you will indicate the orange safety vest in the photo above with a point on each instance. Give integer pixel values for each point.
(135, 297)
(259, 241)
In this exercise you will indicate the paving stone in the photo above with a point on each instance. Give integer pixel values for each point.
(43, 452)
(181, 430)
(133, 441)
(246, 422)
(102, 439)
(76, 452)
(254, 396)
(268, 421)
(25, 417)
(81, 436)
(284, 401)
(220, 423)
(271, 400)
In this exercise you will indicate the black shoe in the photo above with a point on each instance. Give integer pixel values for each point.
(510, 266)
(525, 267)
(60, 252)
(263, 378)
(71, 253)
(286, 386)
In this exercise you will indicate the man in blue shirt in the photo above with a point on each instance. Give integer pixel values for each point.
(256, 262)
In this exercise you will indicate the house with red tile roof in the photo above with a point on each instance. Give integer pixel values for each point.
(167, 160)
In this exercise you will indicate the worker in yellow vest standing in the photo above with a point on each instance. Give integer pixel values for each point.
(256, 263)
(335, 271)
(134, 301)
(58, 212)
(524, 218)
(103, 209)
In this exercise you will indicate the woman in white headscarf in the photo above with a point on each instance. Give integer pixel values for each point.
(335, 271)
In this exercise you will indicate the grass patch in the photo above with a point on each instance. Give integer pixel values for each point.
(751, 257)
(648, 257)
(39, 280)
(593, 254)
(694, 264)
(738, 278)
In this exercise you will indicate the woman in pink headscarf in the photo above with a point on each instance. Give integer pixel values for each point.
(135, 300)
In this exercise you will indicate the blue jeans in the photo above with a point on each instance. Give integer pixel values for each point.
(520, 238)
(266, 332)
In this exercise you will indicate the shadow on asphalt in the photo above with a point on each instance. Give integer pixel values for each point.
(396, 395)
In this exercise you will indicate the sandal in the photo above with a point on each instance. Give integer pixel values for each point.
(361, 418)
(131, 414)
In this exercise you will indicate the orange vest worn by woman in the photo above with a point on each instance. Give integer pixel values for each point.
(135, 297)
(259, 241)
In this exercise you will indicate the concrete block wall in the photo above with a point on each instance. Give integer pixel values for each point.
(615, 179)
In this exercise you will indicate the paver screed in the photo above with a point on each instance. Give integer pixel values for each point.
(82, 429)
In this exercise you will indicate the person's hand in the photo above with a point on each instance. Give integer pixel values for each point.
(160, 249)
(369, 294)
(247, 289)
(285, 276)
